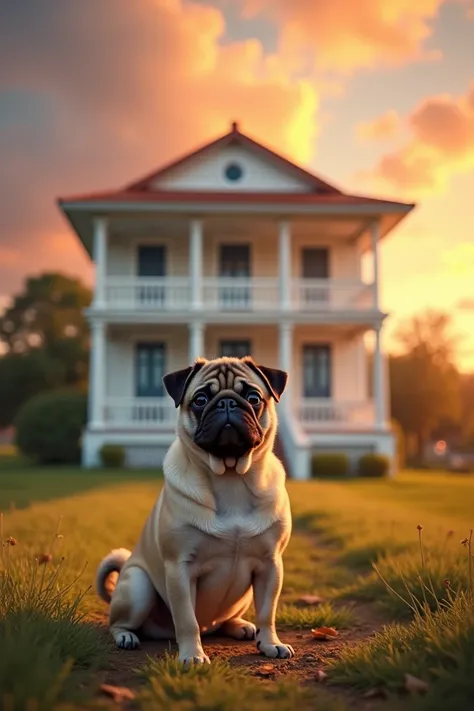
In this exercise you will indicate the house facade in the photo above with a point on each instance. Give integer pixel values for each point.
(234, 250)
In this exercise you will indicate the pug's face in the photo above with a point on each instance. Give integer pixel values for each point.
(227, 408)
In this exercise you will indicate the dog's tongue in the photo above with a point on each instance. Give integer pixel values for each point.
(219, 466)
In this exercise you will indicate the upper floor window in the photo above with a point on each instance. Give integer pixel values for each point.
(151, 260)
(315, 263)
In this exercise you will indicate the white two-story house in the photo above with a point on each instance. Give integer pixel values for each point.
(235, 250)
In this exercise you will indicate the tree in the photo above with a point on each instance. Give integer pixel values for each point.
(47, 341)
(48, 315)
(424, 381)
(23, 375)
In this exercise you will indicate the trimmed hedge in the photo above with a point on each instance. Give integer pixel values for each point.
(331, 464)
(112, 455)
(373, 465)
(49, 427)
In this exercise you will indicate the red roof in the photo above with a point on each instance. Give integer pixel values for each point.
(165, 196)
(139, 191)
(235, 137)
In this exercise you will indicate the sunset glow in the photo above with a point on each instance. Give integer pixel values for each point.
(377, 97)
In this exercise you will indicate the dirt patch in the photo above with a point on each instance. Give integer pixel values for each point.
(310, 656)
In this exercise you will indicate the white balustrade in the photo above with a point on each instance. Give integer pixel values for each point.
(140, 412)
(316, 413)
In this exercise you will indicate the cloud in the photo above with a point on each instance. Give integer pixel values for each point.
(385, 126)
(343, 35)
(440, 145)
(111, 95)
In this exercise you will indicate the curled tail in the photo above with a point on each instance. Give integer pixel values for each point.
(108, 571)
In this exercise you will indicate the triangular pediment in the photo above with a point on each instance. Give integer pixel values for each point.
(233, 162)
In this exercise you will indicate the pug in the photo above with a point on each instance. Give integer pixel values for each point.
(215, 537)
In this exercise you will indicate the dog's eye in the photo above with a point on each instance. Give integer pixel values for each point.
(200, 400)
(254, 398)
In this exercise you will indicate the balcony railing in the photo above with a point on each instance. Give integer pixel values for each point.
(236, 294)
(317, 414)
(145, 413)
(140, 413)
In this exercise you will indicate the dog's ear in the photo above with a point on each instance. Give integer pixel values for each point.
(176, 383)
(274, 379)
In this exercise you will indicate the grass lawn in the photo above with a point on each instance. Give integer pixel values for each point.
(400, 618)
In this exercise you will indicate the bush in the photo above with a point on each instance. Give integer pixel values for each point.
(333, 464)
(374, 465)
(49, 427)
(112, 455)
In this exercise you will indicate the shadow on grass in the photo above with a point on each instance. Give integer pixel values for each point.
(23, 483)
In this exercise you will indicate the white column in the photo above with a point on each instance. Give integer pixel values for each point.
(99, 254)
(286, 357)
(378, 386)
(196, 340)
(375, 237)
(195, 263)
(97, 375)
(285, 265)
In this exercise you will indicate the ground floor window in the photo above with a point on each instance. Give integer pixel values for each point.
(235, 349)
(317, 371)
(150, 367)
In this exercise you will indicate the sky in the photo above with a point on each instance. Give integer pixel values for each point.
(377, 96)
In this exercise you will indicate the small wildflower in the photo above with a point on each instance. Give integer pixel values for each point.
(450, 533)
(10, 541)
(447, 584)
(465, 542)
(420, 527)
(44, 558)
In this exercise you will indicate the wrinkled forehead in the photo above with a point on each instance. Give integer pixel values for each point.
(226, 374)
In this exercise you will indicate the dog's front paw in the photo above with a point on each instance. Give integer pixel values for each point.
(276, 651)
(126, 640)
(198, 658)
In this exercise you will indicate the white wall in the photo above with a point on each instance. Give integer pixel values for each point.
(122, 254)
(120, 355)
(349, 367)
(344, 262)
(206, 172)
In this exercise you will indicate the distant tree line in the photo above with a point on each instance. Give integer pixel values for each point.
(45, 337)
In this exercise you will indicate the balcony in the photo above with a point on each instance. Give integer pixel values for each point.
(173, 294)
(316, 414)
(140, 413)
(159, 413)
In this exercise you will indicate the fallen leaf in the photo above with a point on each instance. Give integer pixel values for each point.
(324, 633)
(309, 600)
(117, 693)
(266, 670)
(320, 675)
(412, 683)
(374, 693)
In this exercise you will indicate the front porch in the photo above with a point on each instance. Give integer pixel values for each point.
(328, 390)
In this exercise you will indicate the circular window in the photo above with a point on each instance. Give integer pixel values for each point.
(233, 172)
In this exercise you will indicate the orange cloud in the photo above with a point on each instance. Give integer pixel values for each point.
(116, 95)
(385, 126)
(345, 35)
(441, 144)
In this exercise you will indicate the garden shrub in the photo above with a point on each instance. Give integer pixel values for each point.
(330, 464)
(49, 427)
(112, 455)
(373, 465)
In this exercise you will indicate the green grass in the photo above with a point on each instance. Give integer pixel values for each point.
(436, 647)
(340, 530)
(220, 687)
